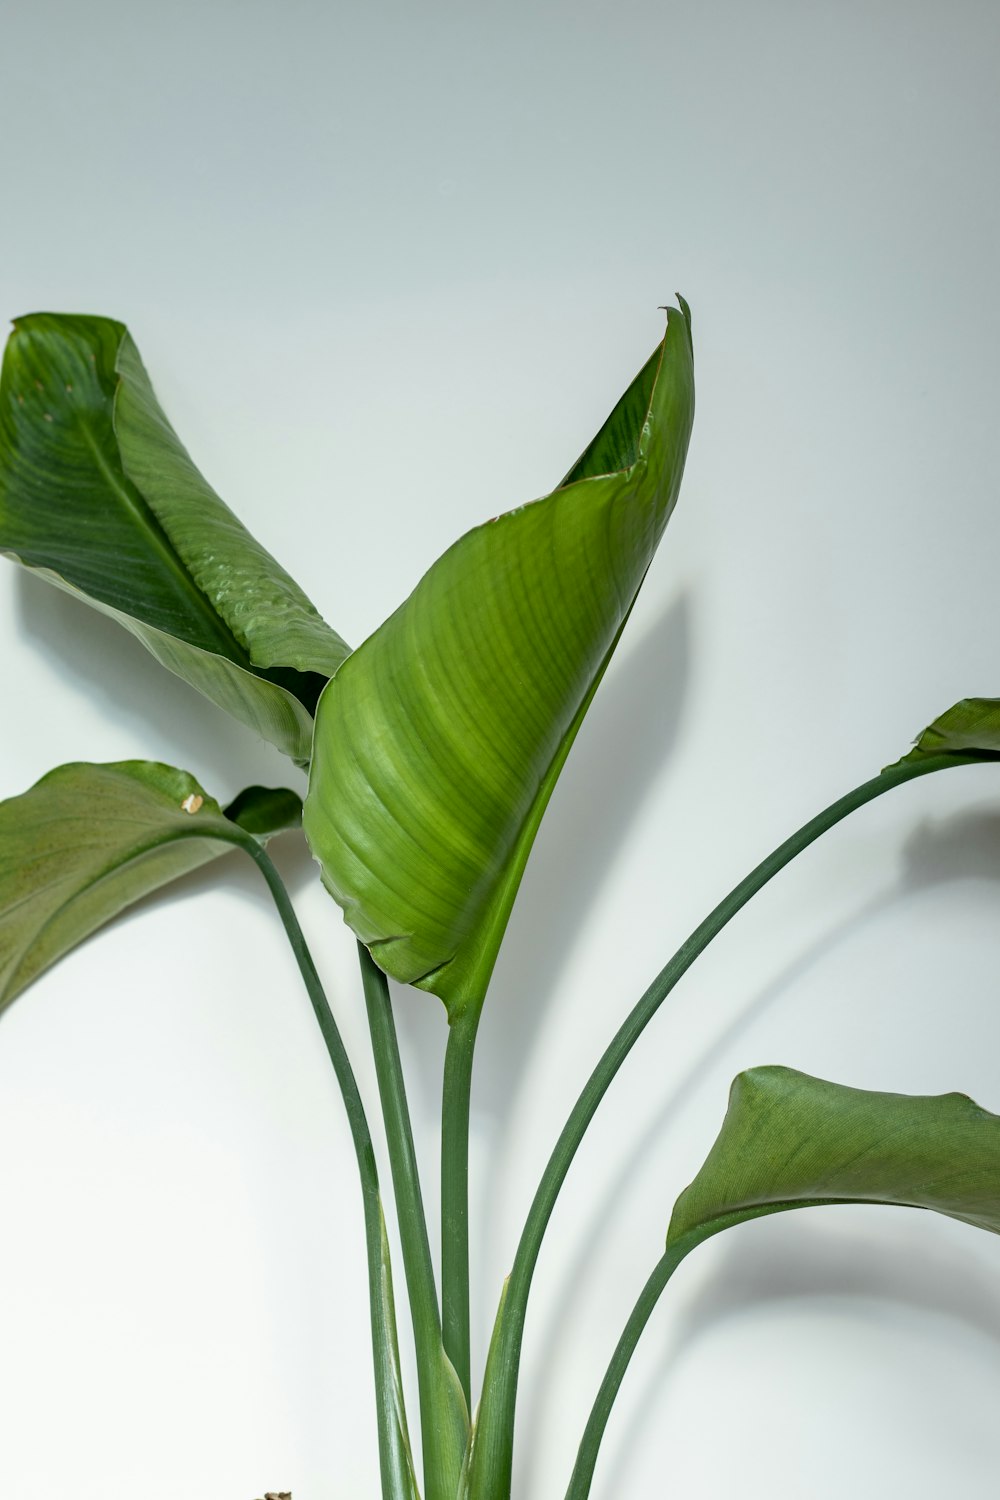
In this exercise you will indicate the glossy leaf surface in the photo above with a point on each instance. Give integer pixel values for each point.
(98, 495)
(791, 1141)
(440, 740)
(971, 727)
(88, 840)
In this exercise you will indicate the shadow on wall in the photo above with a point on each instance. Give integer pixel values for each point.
(965, 846)
(794, 1256)
(623, 748)
(597, 799)
(599, 794)
(100, 660)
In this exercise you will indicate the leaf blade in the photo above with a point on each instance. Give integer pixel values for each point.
(86, 841)
(791, 1141)
(258, 601)
(439, 741)
(267, 708)
(97, 494)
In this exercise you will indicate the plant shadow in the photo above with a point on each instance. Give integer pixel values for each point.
(803, 1261)
(963, 846)
(99, 660)
(577, 842)
(600, 795)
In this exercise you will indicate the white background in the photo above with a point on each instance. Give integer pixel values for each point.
(389, 268)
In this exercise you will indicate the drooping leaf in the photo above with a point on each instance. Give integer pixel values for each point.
(98, 495)
(971, 727)
(791, 1141)
(440, 740)
(88, 840)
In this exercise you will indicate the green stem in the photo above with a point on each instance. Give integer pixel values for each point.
(394, 1465)
(586, 1458)
(443, 1434)
(455, 1194)
(491, 1470)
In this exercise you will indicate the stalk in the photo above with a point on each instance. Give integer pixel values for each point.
(493, 1454)
(455, 1195)
(443, 1418)
(394, 1459)
(586, 1458)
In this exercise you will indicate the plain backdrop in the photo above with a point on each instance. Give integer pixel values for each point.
(389, 267)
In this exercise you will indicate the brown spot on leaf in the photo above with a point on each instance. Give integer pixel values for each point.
(193, 803)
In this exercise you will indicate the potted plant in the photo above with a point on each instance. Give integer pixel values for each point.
(431, 752)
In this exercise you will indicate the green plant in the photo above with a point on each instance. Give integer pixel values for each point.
(431, 752)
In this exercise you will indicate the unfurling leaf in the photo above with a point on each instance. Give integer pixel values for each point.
(88, 840)
(98, 495)
(439, 741)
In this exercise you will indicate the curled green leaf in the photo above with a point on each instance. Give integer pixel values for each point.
(98, 495)
(439, 742)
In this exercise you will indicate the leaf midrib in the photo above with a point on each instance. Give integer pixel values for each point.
(143, 515)
(707, 1228)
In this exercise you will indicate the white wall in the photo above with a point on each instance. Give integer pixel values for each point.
(389, 269)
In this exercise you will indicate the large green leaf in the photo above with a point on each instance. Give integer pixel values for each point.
(791, 1141)
(971, 727)
(98, 495)
(439, 742)
(88, 840)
